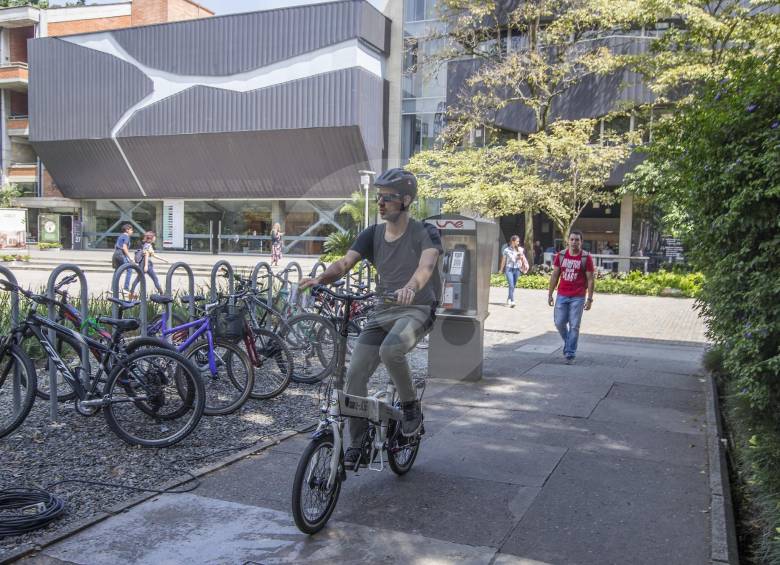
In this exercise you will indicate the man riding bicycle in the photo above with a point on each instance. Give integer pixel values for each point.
(405, 253)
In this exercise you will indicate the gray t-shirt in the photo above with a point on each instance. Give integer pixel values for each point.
(396, 261)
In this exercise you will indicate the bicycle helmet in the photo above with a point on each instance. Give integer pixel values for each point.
(398, 179)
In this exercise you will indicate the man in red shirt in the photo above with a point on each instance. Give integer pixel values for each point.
(574, 269)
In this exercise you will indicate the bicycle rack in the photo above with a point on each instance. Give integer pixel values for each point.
(292, 265)
(115, 293)
(218, 266)
(84, 308)
(9, 276)
(270, 275)
(190, 285)
(316, 268)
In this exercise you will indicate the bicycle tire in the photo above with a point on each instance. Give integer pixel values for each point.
(223, 398)
(272, 353)
(401, 451)
(306, 337)
(306, 523)
(188, 388)
(11, 418)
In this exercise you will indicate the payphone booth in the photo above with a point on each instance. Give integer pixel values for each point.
(457, 338)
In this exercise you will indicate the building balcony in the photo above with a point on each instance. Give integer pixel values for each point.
(14, 76)
(19, 17)
(19, 126)
(23, 172)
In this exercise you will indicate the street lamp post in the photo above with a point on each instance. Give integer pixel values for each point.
(365, 184)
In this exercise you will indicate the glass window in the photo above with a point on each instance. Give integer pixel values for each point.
(416, 10)
(421, 132)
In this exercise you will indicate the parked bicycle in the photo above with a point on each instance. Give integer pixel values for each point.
(225, 370)
(152, 397)
(321, 471)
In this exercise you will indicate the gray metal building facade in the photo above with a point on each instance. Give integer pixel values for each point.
(280, 107)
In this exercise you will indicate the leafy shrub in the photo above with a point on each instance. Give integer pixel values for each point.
(43, 245)
(725, 152)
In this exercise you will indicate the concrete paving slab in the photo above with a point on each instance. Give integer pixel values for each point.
(654, 408)
(531, 348)
(566, 396)
(643, 350)
(633, 375)
(481, 456)
(445, 507)
(604, 510)
(179, 529)
(691, 367)
(580, 434)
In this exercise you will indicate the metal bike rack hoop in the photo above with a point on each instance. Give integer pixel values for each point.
(17, 386)
(143, 299)
(316, 268)
(292, 265)
(219, 265)
(190, 285)
(84, 311)
(270, 274)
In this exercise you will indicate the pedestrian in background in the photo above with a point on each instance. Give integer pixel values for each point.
(513, 263)
(538, 253)
(276, 244)
(143, 256)
(122, 253)
(573, 269)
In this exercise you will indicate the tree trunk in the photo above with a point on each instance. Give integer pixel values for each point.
(528, 237)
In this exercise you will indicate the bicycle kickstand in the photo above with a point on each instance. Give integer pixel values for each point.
(381, 466)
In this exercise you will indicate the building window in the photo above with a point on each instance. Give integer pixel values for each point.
(421, 132)
(419, 10)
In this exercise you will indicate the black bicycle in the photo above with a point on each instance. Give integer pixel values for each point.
(153, 397)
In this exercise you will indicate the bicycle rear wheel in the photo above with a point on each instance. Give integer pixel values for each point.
(16, 395)
(312, 501)
(156, 398)
(312, 340)
(274, 365)
(230, 388)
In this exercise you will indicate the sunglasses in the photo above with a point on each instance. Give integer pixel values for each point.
(390, 197)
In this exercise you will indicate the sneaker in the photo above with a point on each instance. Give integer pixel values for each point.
(412, 418)
(511, 303)
(508, 302)
(570, 360)
(352, 458)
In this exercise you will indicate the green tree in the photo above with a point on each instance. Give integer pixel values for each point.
(8, 193)
(355, 208)
(558, 171)
(559, 45)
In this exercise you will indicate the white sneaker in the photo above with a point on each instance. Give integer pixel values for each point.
(511, 303)
(508, 302)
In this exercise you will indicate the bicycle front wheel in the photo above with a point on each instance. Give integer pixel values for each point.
(229, 388)
(155, 398)
(312, 501)
(312, 340)
(17, 388)
(70, 351)
(273, 367)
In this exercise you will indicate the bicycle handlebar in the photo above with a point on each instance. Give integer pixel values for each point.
(348, 296)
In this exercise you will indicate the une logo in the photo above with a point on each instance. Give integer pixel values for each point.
(457, 224)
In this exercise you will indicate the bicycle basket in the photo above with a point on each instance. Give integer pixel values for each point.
(227, 321)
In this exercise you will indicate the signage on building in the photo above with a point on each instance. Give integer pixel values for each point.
(453, 224)
(49, 228)
(173, 224)
(673, 249)
(13, 228)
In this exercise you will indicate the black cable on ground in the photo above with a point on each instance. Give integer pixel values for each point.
(23, 510)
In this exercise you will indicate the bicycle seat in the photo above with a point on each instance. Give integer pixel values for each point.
(339, 284)
(188, 298)
(124, 304)
(160, 299)
(120, 324)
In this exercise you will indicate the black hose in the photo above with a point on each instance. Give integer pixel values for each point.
(23, 510)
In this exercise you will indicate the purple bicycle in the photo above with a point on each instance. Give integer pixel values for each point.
(227, 374)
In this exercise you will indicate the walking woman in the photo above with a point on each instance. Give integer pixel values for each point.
(276, 244)
(143, 257)
(513, 262)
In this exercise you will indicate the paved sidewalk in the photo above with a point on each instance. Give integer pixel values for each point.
(603, 462)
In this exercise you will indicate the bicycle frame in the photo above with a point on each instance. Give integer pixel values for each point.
(203, 327)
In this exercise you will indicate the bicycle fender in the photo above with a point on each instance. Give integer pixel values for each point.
(324, 433)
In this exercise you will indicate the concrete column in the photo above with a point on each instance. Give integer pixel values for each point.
(394, 73)
(626, 224)
(278, 213)
(159, 210)
(89, 217)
